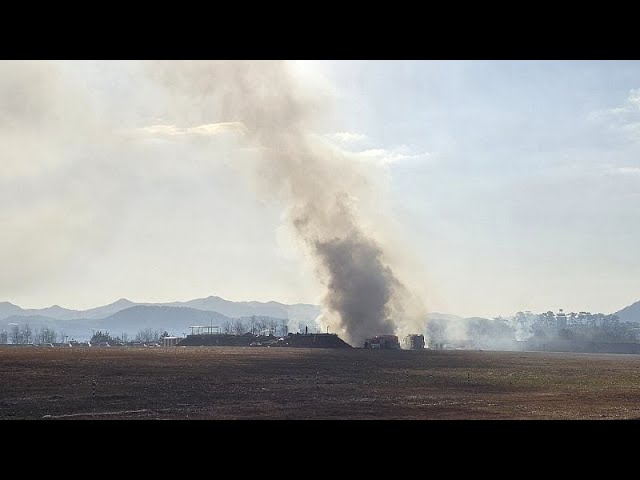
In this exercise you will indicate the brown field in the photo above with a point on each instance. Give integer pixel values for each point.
(283, 383)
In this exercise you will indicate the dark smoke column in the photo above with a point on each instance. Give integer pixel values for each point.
(360, 287)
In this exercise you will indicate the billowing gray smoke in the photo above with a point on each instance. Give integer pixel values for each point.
(321, 184)
(360, 285)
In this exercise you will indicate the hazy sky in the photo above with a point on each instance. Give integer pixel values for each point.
(514, 185)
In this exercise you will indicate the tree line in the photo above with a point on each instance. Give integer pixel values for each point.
(24, 334)
(256, 325)
(145, 335)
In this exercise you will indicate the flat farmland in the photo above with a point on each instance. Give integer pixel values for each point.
(292, 383)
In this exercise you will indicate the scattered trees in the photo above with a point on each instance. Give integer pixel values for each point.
(256, 325)
(14, 334)
(150, 335)
(44, 335)
(21, 334)
(27, 333)
(102, 337)
(227, 326)
(273, 326)
(253, 325)
(261, 325)
(146, 335)
(239, 327)
(284, 327)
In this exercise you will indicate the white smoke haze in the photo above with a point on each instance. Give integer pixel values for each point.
(53, 144)
(211, 129)
(41, 110)
(449, 331)
(348, 137)
(321, 185)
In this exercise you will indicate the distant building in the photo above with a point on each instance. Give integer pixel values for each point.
(414, 342)
(169, 341)
(205, 329)
(382, 341)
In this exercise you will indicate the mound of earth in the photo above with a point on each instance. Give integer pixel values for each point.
(314, 340)
(297, 340)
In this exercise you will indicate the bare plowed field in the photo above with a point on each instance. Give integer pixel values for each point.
(282, 383)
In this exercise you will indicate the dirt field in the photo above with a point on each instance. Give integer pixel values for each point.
(281, 383)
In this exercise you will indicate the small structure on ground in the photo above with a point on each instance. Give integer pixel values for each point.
(414, 342)
(169, 341)
(382, 341)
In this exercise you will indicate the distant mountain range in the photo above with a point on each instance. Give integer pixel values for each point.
(9, 309)
(299, 311)
(627, 314)
(130, 317)
(630, 313)
(125, 316)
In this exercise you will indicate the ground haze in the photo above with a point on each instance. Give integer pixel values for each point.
(282, 383)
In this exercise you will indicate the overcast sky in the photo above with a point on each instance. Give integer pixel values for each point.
(515, 185)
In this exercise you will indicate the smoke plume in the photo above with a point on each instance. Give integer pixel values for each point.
(323, 186)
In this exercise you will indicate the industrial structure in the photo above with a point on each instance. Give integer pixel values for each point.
(382, 341)
(170, 341)
(414, 342)
(205, 329)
